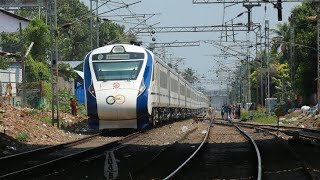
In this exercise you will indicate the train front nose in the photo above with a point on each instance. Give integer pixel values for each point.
(118, 107)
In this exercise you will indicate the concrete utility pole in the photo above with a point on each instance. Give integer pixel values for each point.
(91, 26)
(97, 24)
(261, 68)
(52, 13)
(248, 69)
(268, 60)
(318, 49)
(292, 64)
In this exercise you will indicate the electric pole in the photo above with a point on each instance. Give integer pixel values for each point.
(318, 49)
(292, 64)
(97, 24)
(268, 61)
(91, 26)
(52, 13)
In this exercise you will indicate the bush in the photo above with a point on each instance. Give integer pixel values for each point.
(259, 115)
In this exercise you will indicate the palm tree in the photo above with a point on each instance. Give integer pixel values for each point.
(281, 41)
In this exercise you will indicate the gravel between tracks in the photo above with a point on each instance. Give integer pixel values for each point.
(227, 155)
(137, 152)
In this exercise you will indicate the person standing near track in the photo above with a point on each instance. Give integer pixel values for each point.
(73, 105)
(211, 113)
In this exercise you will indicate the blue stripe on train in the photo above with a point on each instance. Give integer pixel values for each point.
(142, 100)
(91, 101)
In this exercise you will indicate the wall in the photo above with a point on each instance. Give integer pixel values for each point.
(11, 24)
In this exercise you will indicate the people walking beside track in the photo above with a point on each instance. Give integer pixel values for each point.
(222, 113)
(211, 113)
(238, 112)
(233, 109)
(225, 112)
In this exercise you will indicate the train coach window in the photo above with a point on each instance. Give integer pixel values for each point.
(174, 85)
(163, 80)
(121, 70)
(182, 90)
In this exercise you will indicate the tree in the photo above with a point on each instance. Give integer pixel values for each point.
(305, 56)
(3, 62)
(190, 75)
(280, 42)
(38, 32)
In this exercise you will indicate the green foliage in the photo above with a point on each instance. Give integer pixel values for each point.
(74, 35)
(36, 71)
(190, 75)
(259, 116)
(10, 42)
(46, 119)
(3, 63)
(66, 71)
(305, 56)
(64, 101)
(281, 81)
(37, 32)
(22, 136)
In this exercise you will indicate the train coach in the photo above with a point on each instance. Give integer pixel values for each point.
(127, 86)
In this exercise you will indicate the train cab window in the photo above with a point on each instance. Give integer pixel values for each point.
(120, 70)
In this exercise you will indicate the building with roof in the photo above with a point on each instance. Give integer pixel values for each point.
(11, 22)
(11, 77)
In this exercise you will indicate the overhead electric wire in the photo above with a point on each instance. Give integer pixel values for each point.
(80, 20)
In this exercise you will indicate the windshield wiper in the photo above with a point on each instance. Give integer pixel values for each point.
(132, 73)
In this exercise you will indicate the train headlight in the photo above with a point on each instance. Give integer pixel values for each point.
(142, 87)
(118, 49)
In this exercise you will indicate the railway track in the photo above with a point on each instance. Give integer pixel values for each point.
(47, 160)
(228, 154)
(168, 159)
(278, 158)
(306, 153)
(131, 155)
(296, 132)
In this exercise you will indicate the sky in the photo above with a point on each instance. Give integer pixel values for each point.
(201, 58)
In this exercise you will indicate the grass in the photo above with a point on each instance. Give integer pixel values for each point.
(22, 136)
(46, 119)
(258, 116)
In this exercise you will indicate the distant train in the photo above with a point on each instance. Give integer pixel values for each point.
(127, 86)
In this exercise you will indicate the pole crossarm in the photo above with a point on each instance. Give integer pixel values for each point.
(244, 1)
(214, 28)
(177, 44)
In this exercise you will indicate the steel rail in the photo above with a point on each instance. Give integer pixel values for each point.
(282, 126)
(288, 132)
(47, 149)
(259, 175)
(194, 153)
(305, 166)
(31, 171)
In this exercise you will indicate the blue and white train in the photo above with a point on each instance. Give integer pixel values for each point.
(127, 86)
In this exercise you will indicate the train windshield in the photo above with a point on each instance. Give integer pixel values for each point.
(120, 70)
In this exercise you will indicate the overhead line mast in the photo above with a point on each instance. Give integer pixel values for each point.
(278, 4)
